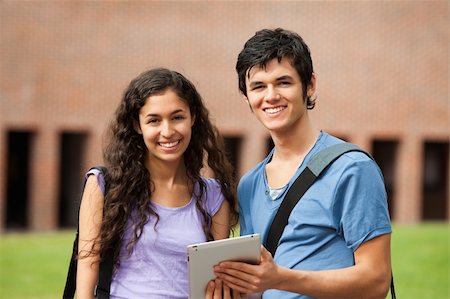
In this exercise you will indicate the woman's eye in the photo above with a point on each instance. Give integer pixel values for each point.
(179, 117)
(153, 121)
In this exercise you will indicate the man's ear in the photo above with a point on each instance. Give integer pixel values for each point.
(244, 97)
(312, 86)
(137, 127)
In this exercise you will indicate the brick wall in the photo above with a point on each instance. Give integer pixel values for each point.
(382, 70)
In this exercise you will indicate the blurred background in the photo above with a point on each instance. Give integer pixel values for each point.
(382, 82)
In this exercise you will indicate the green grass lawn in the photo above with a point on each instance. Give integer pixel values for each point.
(34, 266)
(420, 257)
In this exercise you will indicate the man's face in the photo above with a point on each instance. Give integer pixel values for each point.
(275, 95)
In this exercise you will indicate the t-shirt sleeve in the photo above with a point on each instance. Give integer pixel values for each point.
(361, 204)
(100, 178)
(214, 196)
(245, 221)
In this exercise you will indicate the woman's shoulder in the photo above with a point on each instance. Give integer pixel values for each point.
(211, 183)
(213, 196)
(98, 172)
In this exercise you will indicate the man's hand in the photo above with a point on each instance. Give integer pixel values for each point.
(246, 278)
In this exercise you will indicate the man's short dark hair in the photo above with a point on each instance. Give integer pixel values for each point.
(279, 43)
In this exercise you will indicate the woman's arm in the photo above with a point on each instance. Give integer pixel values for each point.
(91, 213)
(220, 227)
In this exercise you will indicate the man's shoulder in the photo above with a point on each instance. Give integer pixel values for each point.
(254, 174)
(254, 171)
(328, 140)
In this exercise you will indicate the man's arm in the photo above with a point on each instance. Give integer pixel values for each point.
(369, 278)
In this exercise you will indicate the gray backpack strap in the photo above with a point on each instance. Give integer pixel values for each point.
(327, 156)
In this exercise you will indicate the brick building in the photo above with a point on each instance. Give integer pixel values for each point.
(383, 83)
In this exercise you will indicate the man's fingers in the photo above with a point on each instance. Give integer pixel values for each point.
(236, 267)
(265, 254)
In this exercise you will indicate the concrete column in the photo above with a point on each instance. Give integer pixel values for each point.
(94, 150)
(409, 181)
(44, 181)
(363, 141)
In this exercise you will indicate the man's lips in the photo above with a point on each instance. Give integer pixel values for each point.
(274, 110)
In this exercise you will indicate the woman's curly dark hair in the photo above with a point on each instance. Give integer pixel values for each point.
(125, 155)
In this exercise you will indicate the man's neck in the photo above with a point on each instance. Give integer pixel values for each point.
(294, 143)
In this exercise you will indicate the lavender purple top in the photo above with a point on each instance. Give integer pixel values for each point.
(157, 267)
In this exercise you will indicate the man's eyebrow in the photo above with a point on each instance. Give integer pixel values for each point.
(281, 78)
(254, 83)
(285, 77)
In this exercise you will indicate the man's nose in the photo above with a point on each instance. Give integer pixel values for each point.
(271, 93)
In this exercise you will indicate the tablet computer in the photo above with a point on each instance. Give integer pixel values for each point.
(202, 257)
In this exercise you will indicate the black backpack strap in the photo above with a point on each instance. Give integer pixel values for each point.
(69, 289)
(105, 267)
(105, 272)
(392, 287)
(313, 169)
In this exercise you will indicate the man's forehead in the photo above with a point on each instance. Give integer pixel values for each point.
(264, 66)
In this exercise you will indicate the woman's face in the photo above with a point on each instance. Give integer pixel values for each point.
(165, 122)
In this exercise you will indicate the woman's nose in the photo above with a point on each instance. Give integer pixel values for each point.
(167, 130)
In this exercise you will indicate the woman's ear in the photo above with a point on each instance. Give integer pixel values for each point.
(192, 120)
(137, 127)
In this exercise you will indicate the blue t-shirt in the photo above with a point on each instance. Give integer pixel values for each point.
(345, 207)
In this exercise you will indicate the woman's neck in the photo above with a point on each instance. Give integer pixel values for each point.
(167, 173)
(172, 187)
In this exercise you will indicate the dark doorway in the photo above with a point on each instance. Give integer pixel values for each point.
(233, 149)
(17, 186)
(385, 154)
(435, 180)
(71, 177)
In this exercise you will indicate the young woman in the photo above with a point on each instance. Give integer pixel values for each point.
(157, 201)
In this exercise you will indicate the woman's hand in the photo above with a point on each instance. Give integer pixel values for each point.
(216, 289)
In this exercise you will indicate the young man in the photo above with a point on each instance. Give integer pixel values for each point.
(337, 241)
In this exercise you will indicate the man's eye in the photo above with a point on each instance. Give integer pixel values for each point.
(257, 87)
(285, 83)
